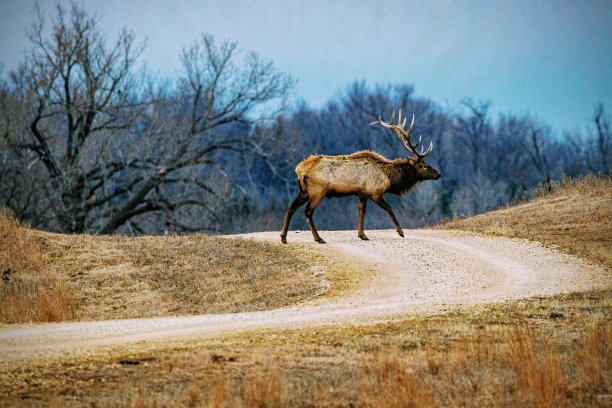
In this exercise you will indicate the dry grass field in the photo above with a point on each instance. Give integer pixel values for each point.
(545, 352)
(575, 216)
(55, 277)
(29, 290)
(538, 352)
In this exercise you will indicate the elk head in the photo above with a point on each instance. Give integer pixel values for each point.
(423, 170)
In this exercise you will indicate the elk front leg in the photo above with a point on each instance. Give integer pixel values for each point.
(301, 198)
(383, 204)
(362, 210)
(313, 202)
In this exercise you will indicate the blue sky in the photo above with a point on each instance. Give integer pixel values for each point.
(549, 59)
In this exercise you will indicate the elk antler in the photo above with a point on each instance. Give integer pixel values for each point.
(404, 135)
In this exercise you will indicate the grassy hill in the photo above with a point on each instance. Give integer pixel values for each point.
(574, 215)
(56, 277)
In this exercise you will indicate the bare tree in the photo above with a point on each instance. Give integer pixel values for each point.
(590, 150)
(603, 138)
(208, 113)
(535, 143)
(477, 195)
(71, 89)
(474, 132)
(111, 151)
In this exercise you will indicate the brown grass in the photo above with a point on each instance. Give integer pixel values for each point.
(595, 359)
(539, 370)
(56, 277)
(386, 381)
(117, 277)
(19, 250)
(28, 290)
(576, 216)
(513, 354)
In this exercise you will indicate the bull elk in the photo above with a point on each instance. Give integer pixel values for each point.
(365, 174)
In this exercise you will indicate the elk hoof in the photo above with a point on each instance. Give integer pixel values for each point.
(401, 233)
(283, 239)
(364, 237)
(320, 240)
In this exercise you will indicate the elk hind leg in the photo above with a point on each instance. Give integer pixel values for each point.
(301, 198)
(313, 202)
(363, 200)
(383, 204)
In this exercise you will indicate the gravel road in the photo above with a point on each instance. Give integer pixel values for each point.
(425, 272)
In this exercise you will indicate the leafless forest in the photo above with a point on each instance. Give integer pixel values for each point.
(91, 142)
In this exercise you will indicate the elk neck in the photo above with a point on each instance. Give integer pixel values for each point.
(402, 176)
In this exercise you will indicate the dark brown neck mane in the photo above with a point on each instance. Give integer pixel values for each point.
(402, 176)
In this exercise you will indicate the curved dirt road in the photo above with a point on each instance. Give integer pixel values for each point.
(427, 271)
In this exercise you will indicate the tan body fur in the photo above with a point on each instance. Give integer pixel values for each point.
(344, 175)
